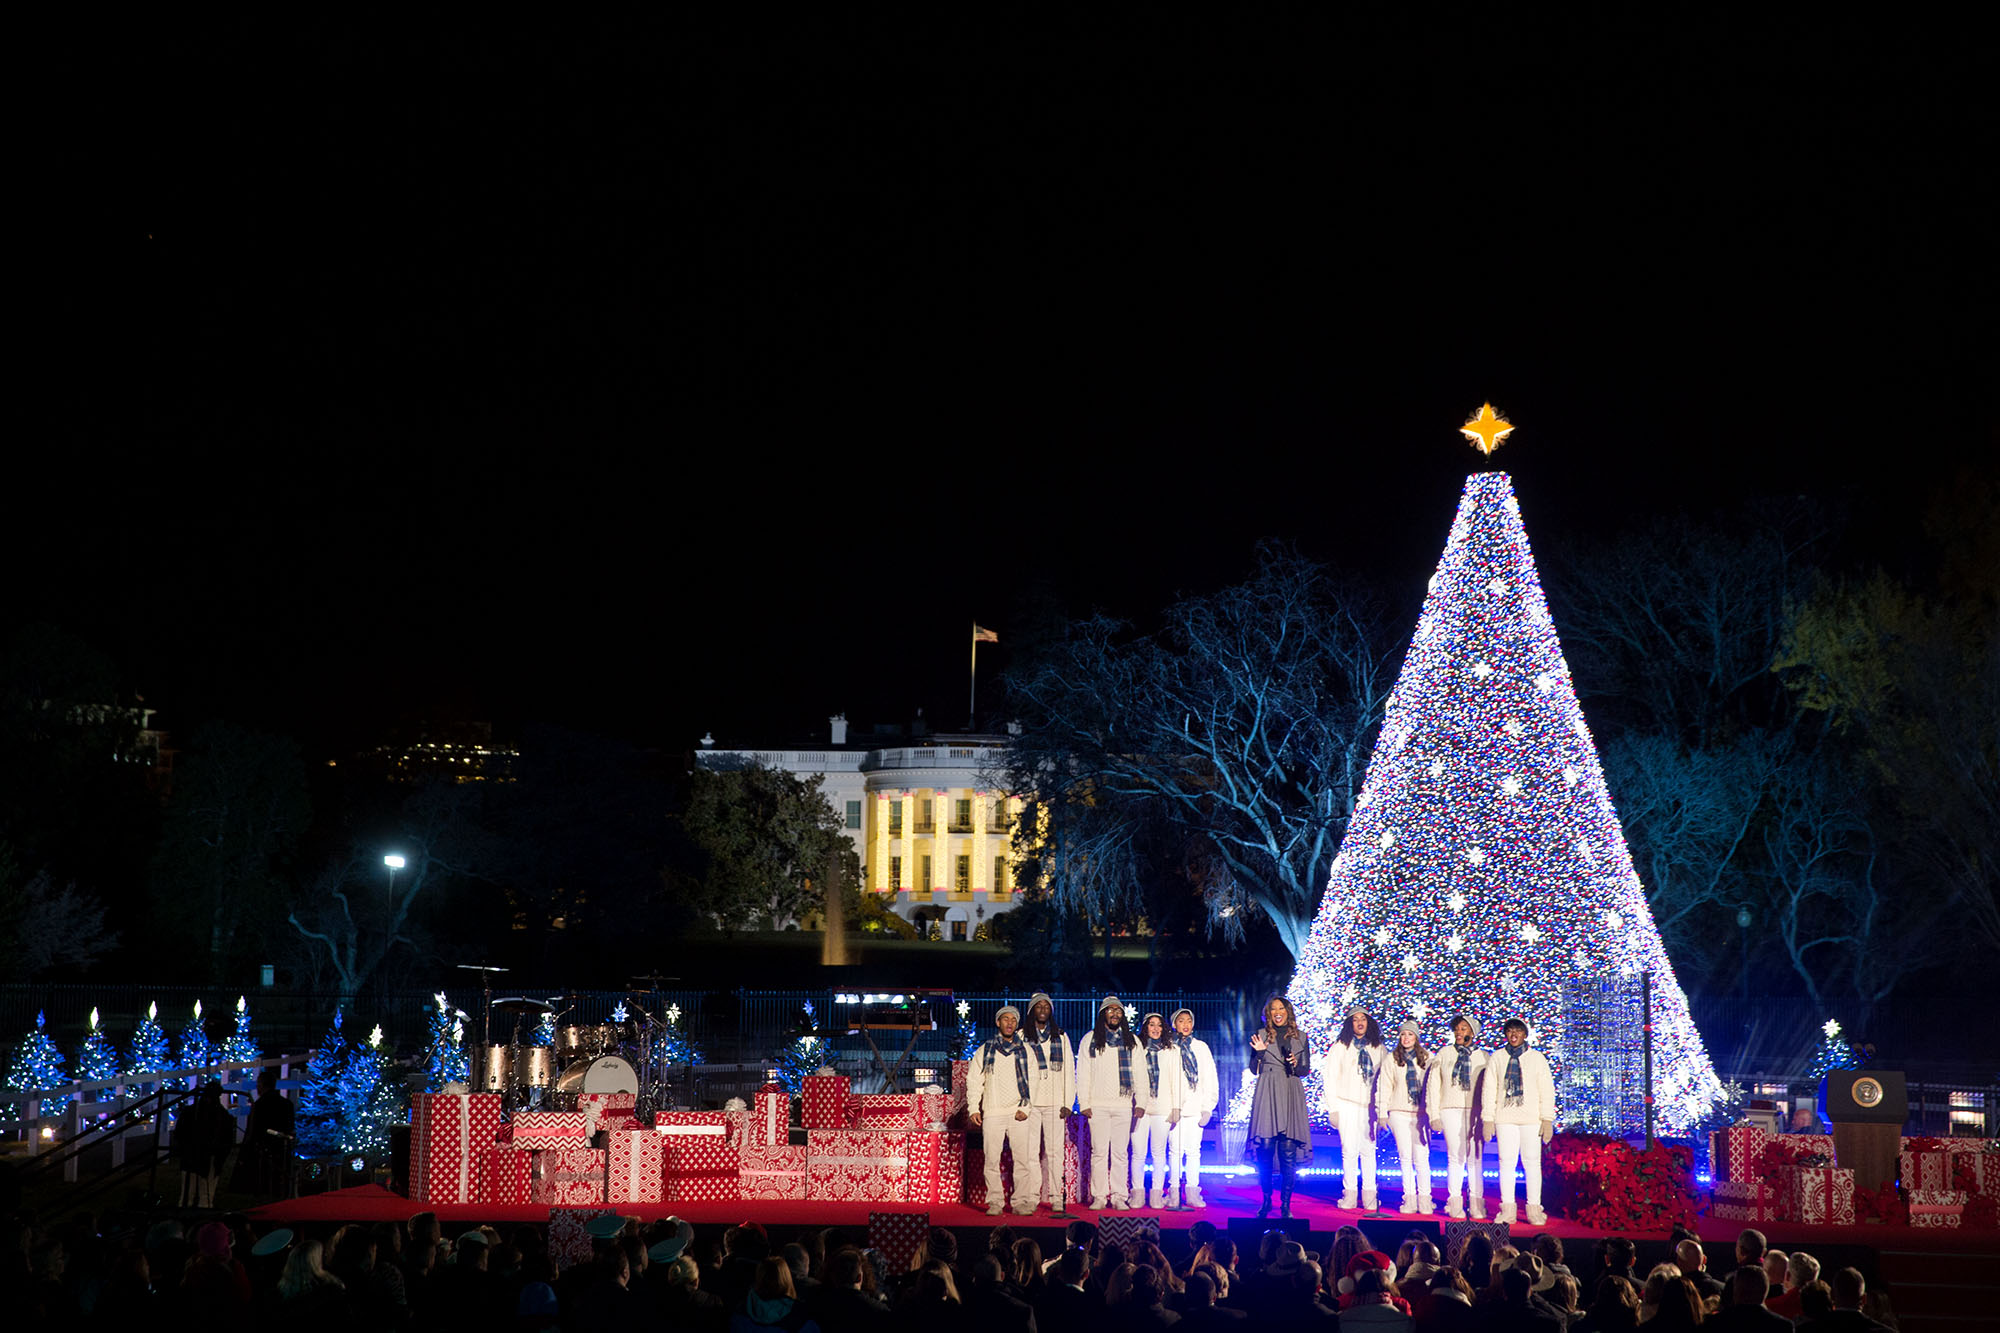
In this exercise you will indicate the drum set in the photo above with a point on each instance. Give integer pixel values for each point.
(617, 1056)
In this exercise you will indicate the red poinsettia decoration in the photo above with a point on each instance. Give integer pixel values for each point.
(1607, 1184)
(1881, 1204)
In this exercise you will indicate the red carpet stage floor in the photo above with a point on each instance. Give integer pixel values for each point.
(1226, 1199)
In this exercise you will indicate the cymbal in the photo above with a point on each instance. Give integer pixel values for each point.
(520, 1004)
(478, 967)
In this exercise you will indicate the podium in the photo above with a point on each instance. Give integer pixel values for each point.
(1867, 1109)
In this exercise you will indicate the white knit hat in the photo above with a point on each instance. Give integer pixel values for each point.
(1108, 1001)
(1041, 997)
(1410, 1028)
(1006, 1009)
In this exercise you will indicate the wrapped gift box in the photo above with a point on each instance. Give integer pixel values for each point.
(541, 1130)
(1736, 1153)
(898, 1236)
(770, 1118)
(827, 1101)
(510, 1171)
(847, 1165)
(933, 1109)
(890, 1111)
(1817, 1194)
(961, 1082)
(567, 1177)
(739, 1128)
(692, 1124)
(933, 1176)
(774, 1172)
(1744, 1201)
(451, 1143)
(1927, 1171)
(638, 1167)
(703, 1169)
(602, 1109)
(1937, 1208)
(1124, 1228)
(570, 1241)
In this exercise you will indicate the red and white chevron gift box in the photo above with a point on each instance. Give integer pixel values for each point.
(451, 1142)
(543, 1130)
(770, 1119)
(570, 1241)
(702, 1169)
(898, 1236)
(568, 1176)
(638, 1167)
(827, 1101)
(856, 1165)
(511, 1171)
(1124, 1228)
(891, 1111)
(774, 1172)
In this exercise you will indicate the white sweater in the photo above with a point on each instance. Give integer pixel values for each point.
(995, 1094)
(1443, 1092)
(1392, 1087)
(1173, 1092)
(1538, 1089)
(1340, 1075)
(1052, 1088)
(1097, 1075)
(1207, 1089)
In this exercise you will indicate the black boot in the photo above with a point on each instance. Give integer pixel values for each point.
(1288, 1168)
(1264, 1174)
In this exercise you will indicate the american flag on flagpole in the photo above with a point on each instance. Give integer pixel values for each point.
(983, 635)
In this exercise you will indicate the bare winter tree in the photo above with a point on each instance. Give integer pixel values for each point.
(1246, 722)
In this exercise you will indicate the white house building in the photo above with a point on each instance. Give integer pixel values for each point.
(927, 822)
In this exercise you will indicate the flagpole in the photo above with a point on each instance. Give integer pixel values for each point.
(972, 703)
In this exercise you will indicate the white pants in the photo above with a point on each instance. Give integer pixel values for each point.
(1523, 1144)
(1357, 1148)
(1414, 1150)
(1184, 1158)
(1461, 1154)
(1045, 1134)
(1110, 1155)
(1002, 1129)
(1152, 1137)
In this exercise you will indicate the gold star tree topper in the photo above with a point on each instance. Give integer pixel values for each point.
(1486, 430)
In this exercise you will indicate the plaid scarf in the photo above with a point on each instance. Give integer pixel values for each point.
(1461, 1070)
(1017, 1048)
(1515, 1093)
(1153, 1048)
(1188, 1065)
(1410, 1081)
(1052, 1057)
(1363, 1062)
(1124, 1070)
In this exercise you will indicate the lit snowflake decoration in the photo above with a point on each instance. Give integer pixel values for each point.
(673, 1013)
(1437, 768)
(1612, 921)
(375, 1037)
(1507, 982)
(1421, 1010)
(1454, 943)
(1410, 962)
(1348, 994)
(1586, 851)
(1455, 901)
(1831, 1028)
(618, 1012)
(1580, 958)
(1481, 671)
(1323, 1009)
(810, 1011)
(1511, 786)
(1386, 841)
(1570, 776)
(1382, 937)
(1475, 855)
(1544, 682)
(1512, 726)
(1497, 586)
(964, 1008)
(1531, 932)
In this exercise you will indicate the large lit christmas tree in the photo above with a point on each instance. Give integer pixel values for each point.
(1484, 869)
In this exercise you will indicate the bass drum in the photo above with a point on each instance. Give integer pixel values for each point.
(608, 1073)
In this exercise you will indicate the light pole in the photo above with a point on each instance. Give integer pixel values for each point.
(395, 862)
(1743, 920)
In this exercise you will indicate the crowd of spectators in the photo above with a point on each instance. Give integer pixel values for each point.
(411, 1275)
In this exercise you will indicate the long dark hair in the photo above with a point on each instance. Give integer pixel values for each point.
(1100, 1035)
(1417, 1052)
(1291, 1017)
(1030, 1031)
(1372, 1037)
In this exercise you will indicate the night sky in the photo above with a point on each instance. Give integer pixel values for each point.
(658, 380)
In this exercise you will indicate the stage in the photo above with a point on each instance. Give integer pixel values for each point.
(1228, 1197)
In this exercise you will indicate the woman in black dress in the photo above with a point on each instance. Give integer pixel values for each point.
(1280, 1125)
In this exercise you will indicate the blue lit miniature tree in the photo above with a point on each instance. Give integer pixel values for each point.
(369, 1100)
(38, 1063)
(150, 1053)
(801, 1055)
(671, 1040)
(1484, 866)
(320, 1105)
(238, 1047)
(1833, 1052)
(97, 1059)
(445, 1058)
(194, 1050)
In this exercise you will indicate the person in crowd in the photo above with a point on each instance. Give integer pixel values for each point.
(1162, 1091)
(268, 1136)
(1198, 1304)
(1745, 1312)
(1025, 1273)
(1619, 1258)
(312, 1298)
(1549, 1249)
(1067, 1305)
(1107, 1081)
(743, 1248)
(1453, 1096)
(1399, 1094)
(1444, 1305)
(1280, 1132)
(215, 1284)
(1204, 1092)
(1515, 1311)
(846, 1299)
(1800, 1269)
(684, 1305)
(1521, 1113)
(998, 1090)
(1679, 1307)
(465, 1287)
(1653, 1288)
(1815, 1302)
(1052, 1091)
(375, 1294)
(1347, 1243)
(1371, 1305)
(1850, 1301)
(771, 1303)
(1539, 1280)
(1693, 1263)
(1078, 1235)
(799, 1260)
(203, 1135)
(934, 1301)
(1614, 1307)
(1804, 1120)
(1348, 1282)
(1750, 1248)
(1564, 1295)
(1474, 1261)
(1347, 1095)
(1145, 1304)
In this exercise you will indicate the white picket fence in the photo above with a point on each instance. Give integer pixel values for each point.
(88, 1104)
